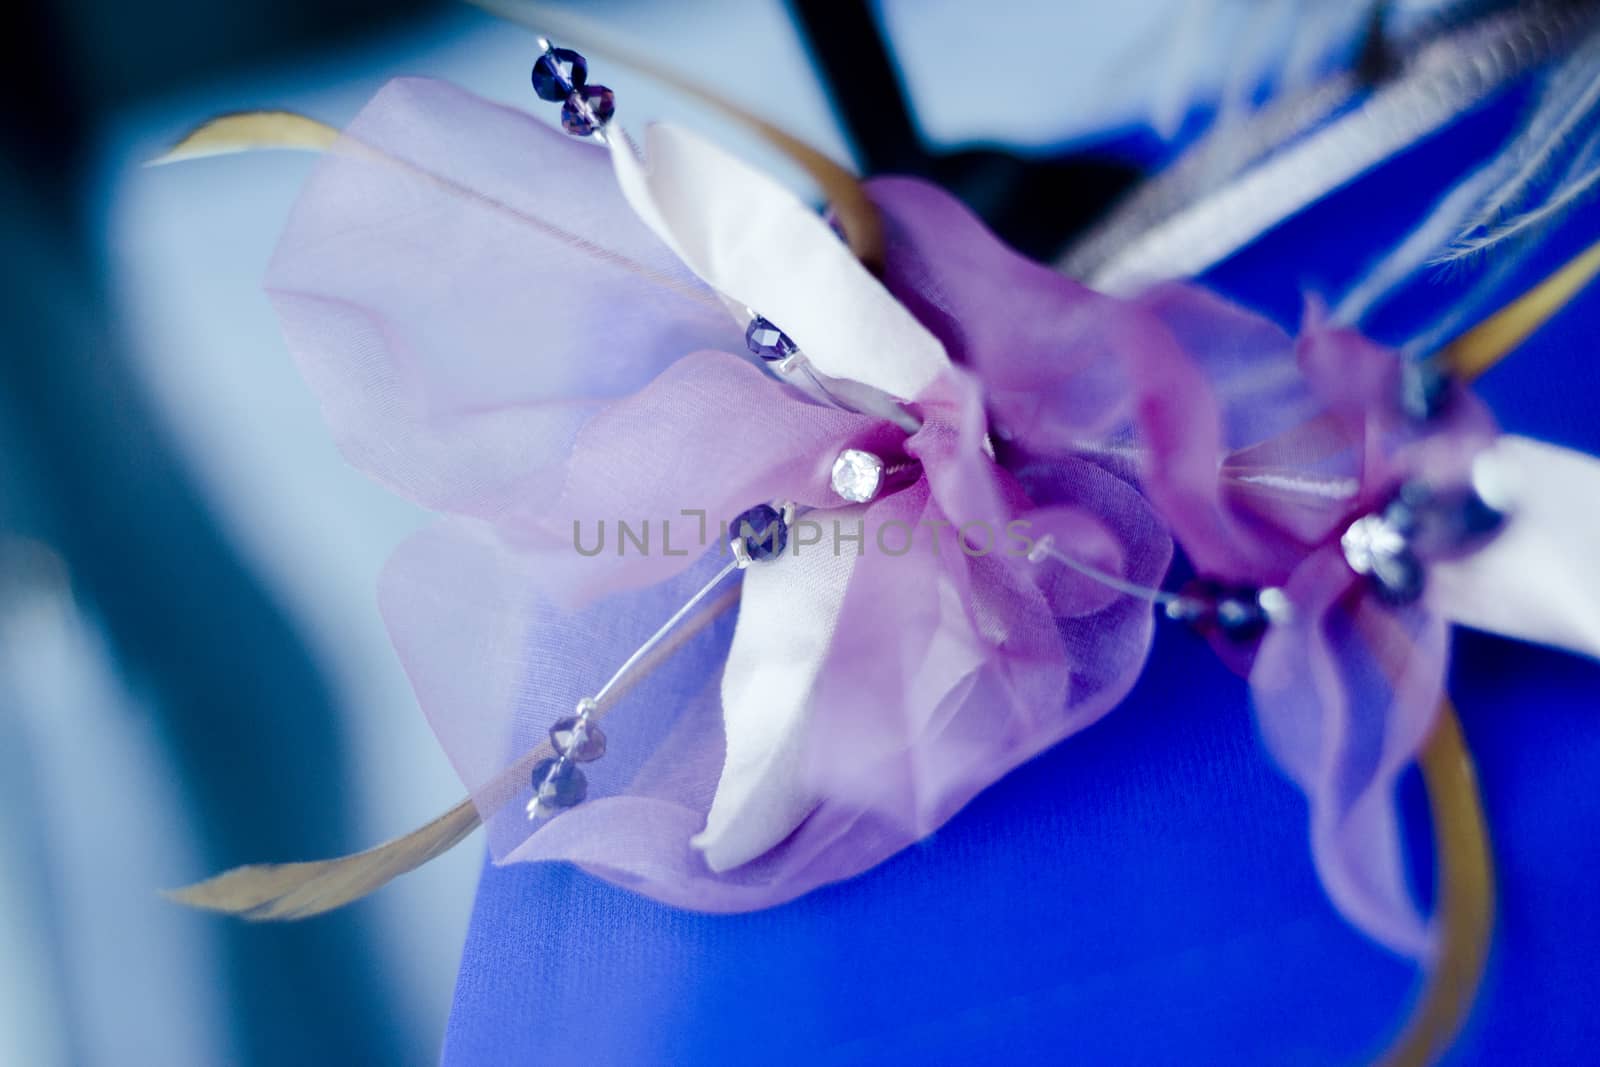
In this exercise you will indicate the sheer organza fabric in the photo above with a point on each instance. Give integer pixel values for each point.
(1262, 450)
(493, 334)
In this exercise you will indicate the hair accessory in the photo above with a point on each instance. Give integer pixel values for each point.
(894, 652)
(972, 493)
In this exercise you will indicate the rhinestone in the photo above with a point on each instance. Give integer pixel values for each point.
(587, 110)
(557, 784)
(557, 73)
(767, 341)
(578, 739)
(761, 532)
(857, 475)
(1275, 604)
(1369, 539)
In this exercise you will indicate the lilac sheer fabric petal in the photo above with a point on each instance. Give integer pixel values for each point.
(1259, 450)
(1345, 695)
(463, 285)
(992, 659)
(1238, 458)
(1071, 593)
(1048, 350)
(654, 478)
(912, 726)
(1359, 381)
(971, 489)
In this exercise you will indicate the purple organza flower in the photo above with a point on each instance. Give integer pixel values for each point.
(1262, 453)
(533, 340)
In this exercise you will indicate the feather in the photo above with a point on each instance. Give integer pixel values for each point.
(1470, 218)
(248, 131)
(1565, 106)
(298, 890)
(1441, 225)
(1577, 184)
(1567, 112)
(1168, 230)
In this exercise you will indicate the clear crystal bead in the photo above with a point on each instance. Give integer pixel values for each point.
(1381, 548)
(1370, 539)
(857, 475)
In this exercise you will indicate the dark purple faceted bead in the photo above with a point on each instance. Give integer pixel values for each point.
(1196, 604)
(1441, 522)
(578, 739)
(1408, 510)
(558, 784)
(1240, 617)
(767, 341)
(587, 110)
(761, 531)
(1398, 577)
(1212, 607)
(557, 73)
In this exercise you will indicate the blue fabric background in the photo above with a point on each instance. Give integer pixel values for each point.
(1143, 893)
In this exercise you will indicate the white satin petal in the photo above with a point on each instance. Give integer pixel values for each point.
(755, 242)
(1539, 580)
(787, 613)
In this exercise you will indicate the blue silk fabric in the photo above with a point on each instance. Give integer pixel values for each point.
(1143, 893)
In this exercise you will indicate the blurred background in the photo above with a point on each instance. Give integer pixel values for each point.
(193, 673)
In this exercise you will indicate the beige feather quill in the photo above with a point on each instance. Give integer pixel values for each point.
(250, 131)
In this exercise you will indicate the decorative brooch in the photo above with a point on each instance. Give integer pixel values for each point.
(914, 494)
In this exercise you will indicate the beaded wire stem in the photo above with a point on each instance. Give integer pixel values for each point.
(557, 782)
(757, 535)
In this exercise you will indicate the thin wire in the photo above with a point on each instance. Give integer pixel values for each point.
(816, 380)
(1046, 547)
(661, 634)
